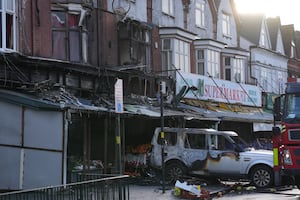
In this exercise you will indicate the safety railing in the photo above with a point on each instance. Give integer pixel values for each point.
(112, 188)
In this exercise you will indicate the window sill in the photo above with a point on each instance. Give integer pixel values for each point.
(168, 15)
(227, 36)
(201, 27)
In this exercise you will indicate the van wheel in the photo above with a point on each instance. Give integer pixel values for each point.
(297, 181)
(174, 171)
(262, 176)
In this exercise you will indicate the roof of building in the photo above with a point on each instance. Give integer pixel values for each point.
(251, 26)
(288, 32)
(274, 27)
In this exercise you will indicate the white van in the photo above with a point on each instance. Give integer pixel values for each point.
(208, 152)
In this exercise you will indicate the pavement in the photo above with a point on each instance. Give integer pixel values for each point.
(221, 191)
(152, 192)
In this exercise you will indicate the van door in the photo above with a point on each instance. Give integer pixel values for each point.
(222, 158)
(195, 152)
(170, 147)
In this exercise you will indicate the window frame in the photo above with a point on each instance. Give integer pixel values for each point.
(182, 55)
(281, 82)
(195, 141)
(227, 68)
(239, 68)
(167, 7)
(170, 138)
(264, 78)
(167, 55)
(81, 36)
(213, 63)
(4, 33)
(200, 60)
(200, 11)
(178, 55)
(226, 24)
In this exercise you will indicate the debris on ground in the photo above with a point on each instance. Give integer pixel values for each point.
(190, 191)
(196, 188)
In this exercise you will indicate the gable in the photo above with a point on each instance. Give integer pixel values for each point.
(226, 17)
(279, 43)
(264, 37)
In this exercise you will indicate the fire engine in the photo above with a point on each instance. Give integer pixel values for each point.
(286, 135)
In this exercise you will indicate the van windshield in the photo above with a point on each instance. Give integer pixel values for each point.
(240, 143)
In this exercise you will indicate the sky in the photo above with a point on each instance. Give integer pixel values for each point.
(288, 10)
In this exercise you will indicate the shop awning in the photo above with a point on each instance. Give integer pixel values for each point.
(254, 115)
(154, 111)
(27, 100)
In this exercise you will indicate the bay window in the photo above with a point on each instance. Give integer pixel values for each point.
(166, 55)
(175, 55)
(239, 70)
(208, 62)
(182, 55)
(264, 78)
(213, 63)
(200, 67)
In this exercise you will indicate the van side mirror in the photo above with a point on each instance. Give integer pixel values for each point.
(277, 111)
(276, 130)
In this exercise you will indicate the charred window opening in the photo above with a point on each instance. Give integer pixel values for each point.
(69, 35)
(134, 40)
(8, 23)
(140, 86)
(170, 139)
(134, 85)
(195, 141)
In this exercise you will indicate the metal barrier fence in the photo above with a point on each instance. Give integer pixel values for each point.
(110, 188)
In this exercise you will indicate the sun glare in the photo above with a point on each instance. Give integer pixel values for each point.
(288, 10)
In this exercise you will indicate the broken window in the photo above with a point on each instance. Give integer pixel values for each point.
(135, 44)
(69, 37)
(170, 138)
(8, 24)
(195, 141)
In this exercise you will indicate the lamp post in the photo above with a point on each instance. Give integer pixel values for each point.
(118, 109)
(162, 134)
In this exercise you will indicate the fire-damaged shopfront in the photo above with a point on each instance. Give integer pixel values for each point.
(58, 72)
(83, 95)
(88, 121)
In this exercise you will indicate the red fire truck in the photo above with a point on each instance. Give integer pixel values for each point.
(286, 135)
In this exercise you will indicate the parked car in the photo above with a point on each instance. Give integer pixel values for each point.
(210, 153)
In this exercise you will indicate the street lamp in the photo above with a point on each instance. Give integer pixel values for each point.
(162, 134)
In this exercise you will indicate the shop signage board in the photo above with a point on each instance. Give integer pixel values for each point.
(219, 90)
